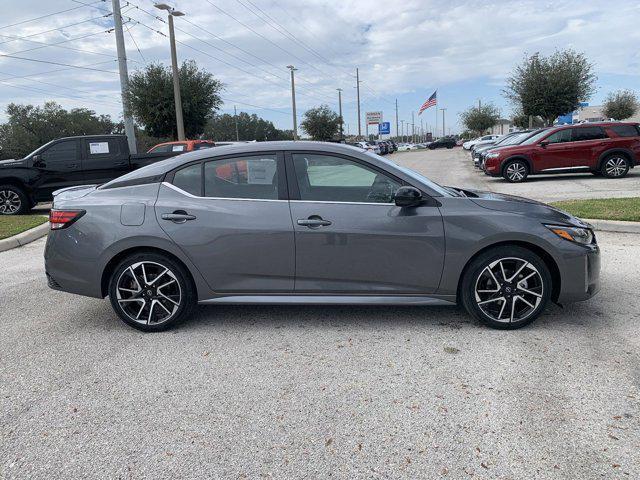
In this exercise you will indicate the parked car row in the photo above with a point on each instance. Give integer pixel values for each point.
(609, 149)
(379, 147)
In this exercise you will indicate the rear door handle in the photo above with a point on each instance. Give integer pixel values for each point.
(179, 216)
(314, 221)
(71, 166)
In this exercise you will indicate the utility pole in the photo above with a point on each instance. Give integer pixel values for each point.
(413, 128)
(358, 93)
(402, 134)
(235, 116)
(172, 12)
(396, 117)
(124, 77)
(479, 104)
(293, 102)
(421, 130)
(443, 131)
(340, 112)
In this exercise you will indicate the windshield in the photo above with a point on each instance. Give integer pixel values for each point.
(516, 139)
(536, 137)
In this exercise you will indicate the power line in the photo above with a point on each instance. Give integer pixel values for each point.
(254, 106)
(16, 77)
(38, 90)
(45, 16)
(46, 45)
(55, 29)
(57, 63)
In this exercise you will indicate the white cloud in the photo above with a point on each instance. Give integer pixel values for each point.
(400, 46)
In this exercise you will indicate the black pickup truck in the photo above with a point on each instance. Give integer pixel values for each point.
(66, 162)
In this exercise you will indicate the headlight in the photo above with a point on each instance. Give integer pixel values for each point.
(583, 236)
(492, 155)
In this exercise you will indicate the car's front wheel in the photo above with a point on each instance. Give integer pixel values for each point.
(515, 171)
(151, 292)
(506, 287)
(615, 166)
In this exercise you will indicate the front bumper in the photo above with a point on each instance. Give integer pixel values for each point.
(580, 274)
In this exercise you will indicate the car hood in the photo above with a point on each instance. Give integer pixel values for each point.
(12, 162)
(523, 206)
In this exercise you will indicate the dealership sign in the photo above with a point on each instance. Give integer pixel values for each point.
(374, 118)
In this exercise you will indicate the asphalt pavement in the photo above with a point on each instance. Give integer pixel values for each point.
(316, 391)
(455, 168)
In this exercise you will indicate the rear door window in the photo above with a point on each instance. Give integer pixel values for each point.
(248, 177)
(625, 130)
(588, 133)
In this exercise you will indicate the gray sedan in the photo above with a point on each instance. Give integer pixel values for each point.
(306, 222)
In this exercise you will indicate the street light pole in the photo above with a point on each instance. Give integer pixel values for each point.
(396, 117)
(293, 102)
(402, 135)
(443, 130)
(235, 116)
(358, 93)
(124, 77)
(340, 112)
(413, 128)
(172, 12)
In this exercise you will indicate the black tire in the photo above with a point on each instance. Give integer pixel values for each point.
(13, 200)
(477, 279)
(615, 166)
(167, 302)
(515, 171)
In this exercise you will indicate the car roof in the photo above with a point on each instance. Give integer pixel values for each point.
(169, 164)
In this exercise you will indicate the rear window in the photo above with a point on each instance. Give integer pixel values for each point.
(625, 130)
(202, 146)
(588, 133)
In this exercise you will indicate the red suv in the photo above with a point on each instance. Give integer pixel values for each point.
(608, 149)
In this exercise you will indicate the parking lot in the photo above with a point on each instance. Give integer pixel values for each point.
(455, 168)
(318, 392)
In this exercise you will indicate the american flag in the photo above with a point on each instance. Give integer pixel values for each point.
(431, 101)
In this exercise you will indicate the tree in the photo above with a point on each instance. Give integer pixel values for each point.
(480, 118)
(521, 120)
(250, 127)
(620, 105)
(321, 123)
(29, 126)
(152, 104)
(551, 86)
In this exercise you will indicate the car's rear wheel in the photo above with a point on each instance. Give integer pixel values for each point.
(615, 166)
(506, 288)
(515, 171)
(13, 200)
(151, 292)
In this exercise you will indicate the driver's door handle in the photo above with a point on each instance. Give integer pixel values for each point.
(313, 222)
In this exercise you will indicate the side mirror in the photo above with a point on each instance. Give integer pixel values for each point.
(36, 160)
(544, 144)
(408, 197)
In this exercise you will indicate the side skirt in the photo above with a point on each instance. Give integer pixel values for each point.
(331, 300)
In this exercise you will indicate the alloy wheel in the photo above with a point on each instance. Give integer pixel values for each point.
(516, 172)
(509, 290)
(616, 166)
(10, 202)
(148, 293)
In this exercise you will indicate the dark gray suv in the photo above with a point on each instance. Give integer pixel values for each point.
(311, 223)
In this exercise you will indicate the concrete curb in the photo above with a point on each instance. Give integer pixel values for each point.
(24, 238)
(614, 226)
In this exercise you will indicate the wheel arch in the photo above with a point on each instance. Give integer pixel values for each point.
(554, 270)
(626, 153)
(116, 259)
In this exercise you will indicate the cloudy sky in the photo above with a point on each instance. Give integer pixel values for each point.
(405, 49)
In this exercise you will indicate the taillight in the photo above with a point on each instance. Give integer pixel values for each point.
(63, 218)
